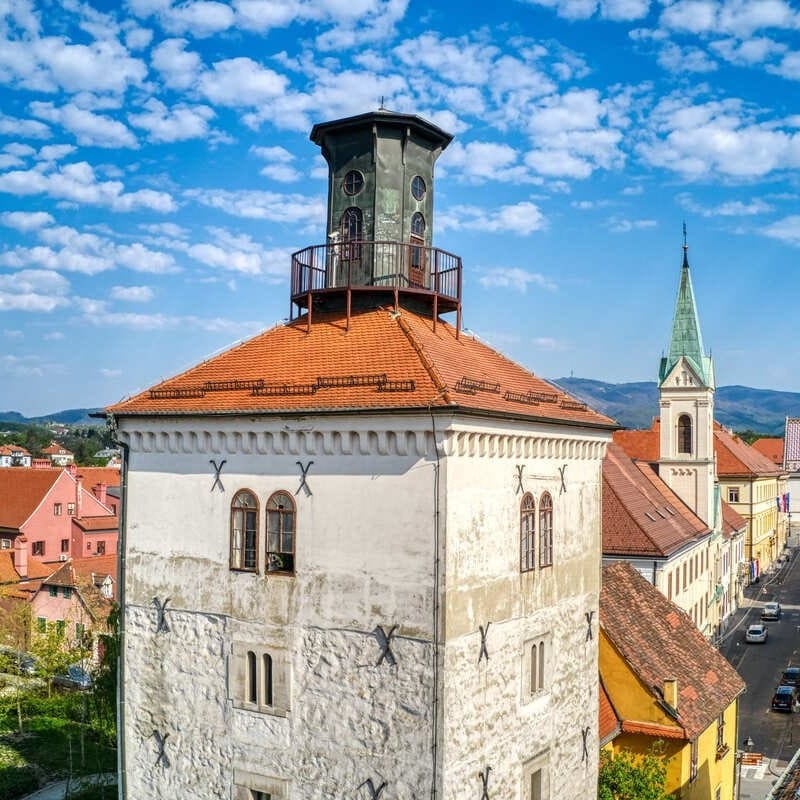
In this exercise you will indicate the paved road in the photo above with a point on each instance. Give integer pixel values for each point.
(775, 734)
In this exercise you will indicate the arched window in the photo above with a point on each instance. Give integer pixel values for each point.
(352, 233)
(252, 678)
(244, 531)
(684, 433)
(546, 531)
(267, 679)
(418, 225)
(280, 533)
(527, 532)
(416, 270)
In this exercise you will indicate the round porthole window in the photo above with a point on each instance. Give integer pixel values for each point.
(353, 182)
(418, 187)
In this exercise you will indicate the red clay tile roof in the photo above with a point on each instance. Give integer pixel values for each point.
(660, 642)
(8, 570)
(22, 489)
(55, 449)
(12, 449)
(110, 476)
(93, 524)
(386, 360)
(96, 565)
(608, 721)
(772, 448)
(653, 729)
(732, 520)
(735, 458)
(642, 516)
(643, 445)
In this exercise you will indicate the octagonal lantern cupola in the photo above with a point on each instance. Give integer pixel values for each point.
(379, 218)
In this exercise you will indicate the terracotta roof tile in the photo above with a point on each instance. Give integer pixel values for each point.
(92, 524)
(8, 570)
(21, 491)
(732, 520)
(736, 458)
(771, 447)
(386, 360)
(642, 516)
(608, 721)
(660, 642)
(643, 445)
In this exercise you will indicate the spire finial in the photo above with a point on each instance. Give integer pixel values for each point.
(685, 247)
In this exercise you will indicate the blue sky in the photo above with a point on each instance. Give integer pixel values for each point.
(156, 174)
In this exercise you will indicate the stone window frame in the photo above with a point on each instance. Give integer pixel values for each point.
(271, 686)
(247, 785)
(546, 530)
(527, 533)
(536, 666)
(239, 537)
(533, 787)
(684, 429)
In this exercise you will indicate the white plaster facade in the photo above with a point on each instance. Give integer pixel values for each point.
(410, 521)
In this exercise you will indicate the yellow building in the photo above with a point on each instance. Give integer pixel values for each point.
(667, 684)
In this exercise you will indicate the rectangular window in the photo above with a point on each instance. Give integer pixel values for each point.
(693, 764)
(37, 548)
(80, 631)
(67, 592)
(65, 545)
(258, 679)
(41, 624)
(71, 509)
(101, 548)
(60, 627)
(53, 591)
(5, 544)
(669, 586)
(720, 731)
(56, 509)
(250, 786)
(536, 778)
(733, 494)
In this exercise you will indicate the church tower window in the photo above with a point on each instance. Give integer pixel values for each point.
(684, 434)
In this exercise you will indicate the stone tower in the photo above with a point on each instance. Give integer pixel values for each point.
(686, 398)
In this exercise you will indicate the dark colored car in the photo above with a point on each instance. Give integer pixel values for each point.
(17, 661)
(76, 677)
(791, 677)
(784, 698)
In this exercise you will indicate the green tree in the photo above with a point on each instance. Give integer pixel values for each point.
(630, 776)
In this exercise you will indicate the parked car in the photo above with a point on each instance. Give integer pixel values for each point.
(791, 677)
(771, 610)
(784, 698)
(17, 662)
(756, 634)
(76, 677)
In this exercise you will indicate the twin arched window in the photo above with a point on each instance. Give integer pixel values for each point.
(280, 520)
(527, 532)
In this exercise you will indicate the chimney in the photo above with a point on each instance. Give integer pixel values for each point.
(73, 469)
(21, 556)
(671, 692)
(78, 495)
(99, 491)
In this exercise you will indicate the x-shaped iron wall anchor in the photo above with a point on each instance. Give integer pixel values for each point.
(217, 471)
(303, 475)
(585, 734)
(373, 792)
(483, 651)
(484, 776)
(562, 472)
(161, 620)
(384, 640)
(589, 617)
(520, 487)
(161, 743)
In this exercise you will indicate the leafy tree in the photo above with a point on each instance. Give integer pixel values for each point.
(630, 776)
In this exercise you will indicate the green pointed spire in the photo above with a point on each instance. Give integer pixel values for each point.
(687, 341)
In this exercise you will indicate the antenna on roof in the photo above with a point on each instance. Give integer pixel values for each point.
(382, 106)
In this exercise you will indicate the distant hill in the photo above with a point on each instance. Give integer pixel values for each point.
(634, 405)
(72, 416)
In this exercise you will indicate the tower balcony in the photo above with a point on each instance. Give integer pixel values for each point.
(425, 275)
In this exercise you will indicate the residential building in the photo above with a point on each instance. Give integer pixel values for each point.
(58, 517)
(362, 548)
(58, 454)
(791, 466)
(666, 683)
(12, 455)
(771, 447)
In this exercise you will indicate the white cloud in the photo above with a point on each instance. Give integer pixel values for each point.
(26, 220)
(674, 58)
(522, 218)
(785, 230)
(110, 373)
(132, 294)
(174, 124)
(178, 67)
(730, 208)
(620, 225)
(33, 290)
(90, 129)
(262, 205)
(78, 183)
(241, 82)
(279, 169)
(29, 128)
(514, 277)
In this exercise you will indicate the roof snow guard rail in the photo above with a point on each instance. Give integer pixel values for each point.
(533, 398)
(471, 386)
(260, 388)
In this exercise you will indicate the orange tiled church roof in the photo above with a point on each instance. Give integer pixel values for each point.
(387, 360)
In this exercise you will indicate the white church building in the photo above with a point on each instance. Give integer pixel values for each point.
(361, 551)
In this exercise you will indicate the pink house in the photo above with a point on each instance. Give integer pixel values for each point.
(56, 513)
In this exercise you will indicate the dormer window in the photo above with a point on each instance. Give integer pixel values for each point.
(684, 434)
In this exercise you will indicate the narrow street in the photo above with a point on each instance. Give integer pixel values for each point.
(774, 734)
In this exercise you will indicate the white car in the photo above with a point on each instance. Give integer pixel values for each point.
(756, 634)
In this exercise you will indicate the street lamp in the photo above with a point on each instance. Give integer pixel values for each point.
(748, 743)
